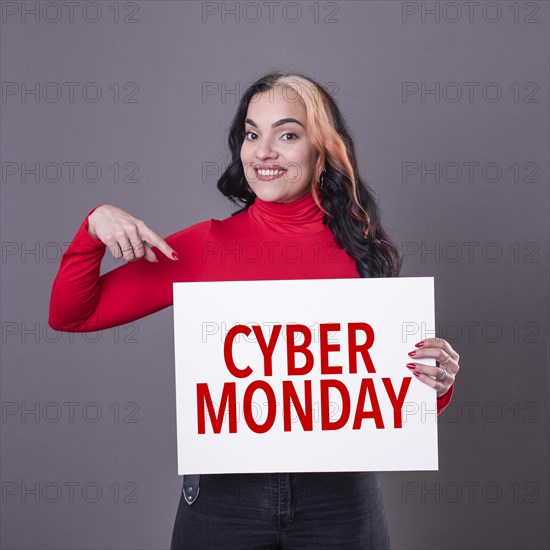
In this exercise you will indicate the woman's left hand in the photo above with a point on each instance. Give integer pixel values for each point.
(446, 364)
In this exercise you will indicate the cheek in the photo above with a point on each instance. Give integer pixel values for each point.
(306, 160)
(299, 158)
(308, 156)
(244, 147)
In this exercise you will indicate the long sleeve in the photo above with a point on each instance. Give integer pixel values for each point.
(444, 400)
(82, 300)
(257, 244)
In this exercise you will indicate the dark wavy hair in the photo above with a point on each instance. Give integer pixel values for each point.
(350, 205)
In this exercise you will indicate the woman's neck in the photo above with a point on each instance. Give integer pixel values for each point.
(299, 217)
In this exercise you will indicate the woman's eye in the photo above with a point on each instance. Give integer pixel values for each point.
(250, 133)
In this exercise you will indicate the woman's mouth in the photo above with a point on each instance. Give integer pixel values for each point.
(268, 174)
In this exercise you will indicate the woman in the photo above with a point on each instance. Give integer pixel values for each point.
(294, 171)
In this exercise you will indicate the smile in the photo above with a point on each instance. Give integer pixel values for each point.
(269, 175)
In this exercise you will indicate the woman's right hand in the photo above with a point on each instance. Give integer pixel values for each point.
(125, 236)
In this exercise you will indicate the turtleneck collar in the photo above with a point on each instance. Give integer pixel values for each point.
(293, 219)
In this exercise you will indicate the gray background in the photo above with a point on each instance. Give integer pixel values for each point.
(492, 487)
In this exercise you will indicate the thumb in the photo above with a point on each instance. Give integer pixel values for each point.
(149, 254)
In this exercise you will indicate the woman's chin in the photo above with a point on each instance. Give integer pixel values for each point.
(270, 195)
(277, 195)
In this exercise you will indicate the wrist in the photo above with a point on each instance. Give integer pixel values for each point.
(90, 226)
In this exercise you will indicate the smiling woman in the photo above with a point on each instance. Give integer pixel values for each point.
(294, 173)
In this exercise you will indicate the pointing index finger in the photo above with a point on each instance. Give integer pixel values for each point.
(160, 243)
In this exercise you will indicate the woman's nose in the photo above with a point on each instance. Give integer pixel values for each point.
(265, 150)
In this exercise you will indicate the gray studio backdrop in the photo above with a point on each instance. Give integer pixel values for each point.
(129, 103)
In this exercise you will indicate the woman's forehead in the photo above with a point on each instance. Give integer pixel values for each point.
(276, 104)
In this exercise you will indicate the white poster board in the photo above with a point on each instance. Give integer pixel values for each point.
(344, 402)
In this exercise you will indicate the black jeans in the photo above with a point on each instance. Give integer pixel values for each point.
(303, 511)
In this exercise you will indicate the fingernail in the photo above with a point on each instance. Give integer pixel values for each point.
(419, 345)
(412, 353)
(175, 256)
(416, 373)
(411, 366)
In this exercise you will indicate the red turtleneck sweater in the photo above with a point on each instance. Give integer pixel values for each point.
(266, 241)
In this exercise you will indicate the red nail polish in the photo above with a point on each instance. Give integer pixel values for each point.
(175, 256)
(411, 365)
(419, 345)
(416, 373)
(412, 353)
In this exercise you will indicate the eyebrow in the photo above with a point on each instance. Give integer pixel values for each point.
(276, 124)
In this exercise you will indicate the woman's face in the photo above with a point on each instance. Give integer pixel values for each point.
(278, 157)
